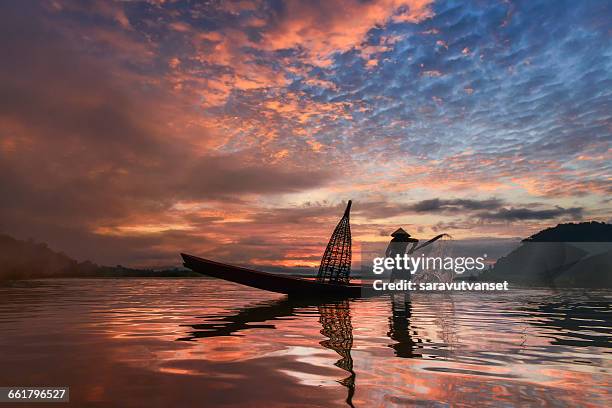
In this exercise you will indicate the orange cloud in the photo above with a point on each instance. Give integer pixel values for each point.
(317, 30)
(322, 29)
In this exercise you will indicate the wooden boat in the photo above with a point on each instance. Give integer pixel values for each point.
(290, 285)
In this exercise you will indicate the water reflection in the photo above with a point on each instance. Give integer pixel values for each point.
(431, 331)
(114, 341)
(245, 318)
(399, 327)
(335, 320)
(575, 323)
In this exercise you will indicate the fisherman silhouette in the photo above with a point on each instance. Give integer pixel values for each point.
(399, 246)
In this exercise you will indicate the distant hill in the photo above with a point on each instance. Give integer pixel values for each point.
(582, 232)
(577, 255)
(30, 259)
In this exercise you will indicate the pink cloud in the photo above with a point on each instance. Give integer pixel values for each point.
(322, 29)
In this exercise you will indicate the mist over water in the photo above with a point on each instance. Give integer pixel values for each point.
(204, 342)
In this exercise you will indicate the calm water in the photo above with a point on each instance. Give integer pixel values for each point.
(201, 342)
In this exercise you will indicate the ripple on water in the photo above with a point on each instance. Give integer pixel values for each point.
(171, 342)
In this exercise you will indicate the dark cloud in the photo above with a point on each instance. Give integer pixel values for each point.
(228, 175)
(519, 214)
(387, 209)
(455, 206)
(491, 209)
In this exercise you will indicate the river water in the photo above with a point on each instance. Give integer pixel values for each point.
(205, 342)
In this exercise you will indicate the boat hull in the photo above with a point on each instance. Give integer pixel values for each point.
(290, 285)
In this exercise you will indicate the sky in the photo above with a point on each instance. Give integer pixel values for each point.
(133, 130)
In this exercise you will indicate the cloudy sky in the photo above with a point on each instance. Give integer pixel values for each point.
(132, 130)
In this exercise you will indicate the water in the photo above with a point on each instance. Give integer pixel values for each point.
(204, 342)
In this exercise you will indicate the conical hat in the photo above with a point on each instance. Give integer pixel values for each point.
(400, 232)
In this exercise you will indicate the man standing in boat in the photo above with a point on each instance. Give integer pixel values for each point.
(399, 246)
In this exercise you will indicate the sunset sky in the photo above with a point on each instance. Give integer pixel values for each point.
(133, 130)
